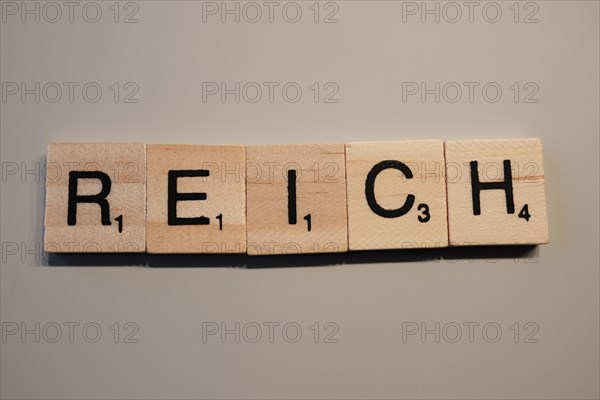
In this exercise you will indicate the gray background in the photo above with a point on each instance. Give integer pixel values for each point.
(370, 297)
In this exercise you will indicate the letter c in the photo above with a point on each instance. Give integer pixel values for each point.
(370, 189)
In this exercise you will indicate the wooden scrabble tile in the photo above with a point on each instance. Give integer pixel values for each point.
(396, 195)
(296, 199)
(95, 198)
(196, 199)
(496, 192)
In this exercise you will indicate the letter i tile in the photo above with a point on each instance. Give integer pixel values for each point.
(296, 199)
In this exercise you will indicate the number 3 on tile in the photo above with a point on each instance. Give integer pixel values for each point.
(425, 216)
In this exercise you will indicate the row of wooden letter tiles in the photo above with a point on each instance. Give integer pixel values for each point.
(289, 199)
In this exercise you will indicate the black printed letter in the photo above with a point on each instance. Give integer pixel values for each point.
(99, 198)
(292, 213)
(506, 185)
(370, 189)
(174, 197)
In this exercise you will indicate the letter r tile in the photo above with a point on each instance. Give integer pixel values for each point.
(496, 192)
(95, 198)
(396, 195)
(196, 199)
